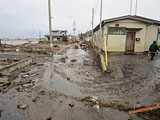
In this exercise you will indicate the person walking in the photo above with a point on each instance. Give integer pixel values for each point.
(153, 49)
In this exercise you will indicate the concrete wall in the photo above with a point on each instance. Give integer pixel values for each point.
(117, 43)
(15, 66)
(151, 35)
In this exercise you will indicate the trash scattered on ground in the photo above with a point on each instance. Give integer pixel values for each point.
(73, 60)
(49, 118)
(1, 110)
(4, 82)
(4, 90)
(42, 92)
(63, 59)
(91, 101)
(56, 46)
(84, 44)
(39, 64)
(25, 75)
(17, 49)
(85, 62)
(34, 100)
(96, 106)
(20, 89)
(96, 103)
(76, 47)
(27, 81)
(71, 105)
(116, 105)
(23, 107)
(144, 109)
(150, 115)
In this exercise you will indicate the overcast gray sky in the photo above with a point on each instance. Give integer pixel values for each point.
(25, 18)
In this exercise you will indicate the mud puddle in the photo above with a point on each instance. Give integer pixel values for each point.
(54, 81)
(9, 109)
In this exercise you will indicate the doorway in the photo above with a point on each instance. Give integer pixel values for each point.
(130, 42)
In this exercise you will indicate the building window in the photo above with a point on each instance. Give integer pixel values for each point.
(116, 30)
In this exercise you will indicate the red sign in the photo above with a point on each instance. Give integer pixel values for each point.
(138, 39)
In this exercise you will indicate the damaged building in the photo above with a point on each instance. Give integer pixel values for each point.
(57, 35)
(127, 34)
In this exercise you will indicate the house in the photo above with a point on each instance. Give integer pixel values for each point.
(127, 34)
(57, 35)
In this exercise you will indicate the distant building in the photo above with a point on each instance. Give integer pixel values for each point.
(128, 33)
(57, 35)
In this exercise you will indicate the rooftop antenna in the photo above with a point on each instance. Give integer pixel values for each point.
(131, 7)
(136, 7)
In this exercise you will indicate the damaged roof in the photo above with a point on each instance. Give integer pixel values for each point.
(132, 17)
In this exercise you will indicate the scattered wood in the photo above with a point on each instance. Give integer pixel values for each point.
(23, 107)
(144, 109)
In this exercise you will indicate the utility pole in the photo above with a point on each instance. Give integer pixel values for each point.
(39, 35)
(100, 32)
(136, 7)
(131, 7)
(50, 24)
(92, 23)
(74, 28)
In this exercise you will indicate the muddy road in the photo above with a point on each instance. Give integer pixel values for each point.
(131, 80)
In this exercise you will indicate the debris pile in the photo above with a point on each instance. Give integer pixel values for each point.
(150, 115)
(94, 102)
(23, 106)
(63, 59)
(91, 101)
(84, 44)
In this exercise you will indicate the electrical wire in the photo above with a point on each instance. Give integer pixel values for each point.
(96, 6)
(7, 5)
(66, 18)
(66, 10)
(95, 10)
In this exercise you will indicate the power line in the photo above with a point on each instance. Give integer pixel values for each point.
(96, 6)
(9, 4)
(67, 18)
(66, 10)
(95, 9)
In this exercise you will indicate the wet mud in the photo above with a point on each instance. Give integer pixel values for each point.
(132, 80)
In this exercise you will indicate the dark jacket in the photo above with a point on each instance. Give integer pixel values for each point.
(153, 48)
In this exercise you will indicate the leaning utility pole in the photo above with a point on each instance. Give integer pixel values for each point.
(50, 24)
(100, 32)
(92, 23)
(74, 28)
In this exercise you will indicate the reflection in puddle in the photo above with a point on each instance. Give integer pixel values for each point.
(60, 84)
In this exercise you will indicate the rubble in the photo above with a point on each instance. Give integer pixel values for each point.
(4, 90)
(27, 81)
(23, 107)
(42, 92)
(25, 75)
(73, 60)
(63, 59)
(94, 102)
(71, 105)
(20, 89)
(49, 118)
(76, 47)
(91, 101)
